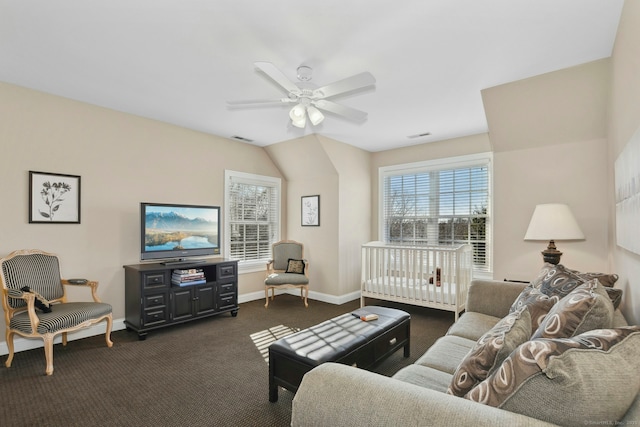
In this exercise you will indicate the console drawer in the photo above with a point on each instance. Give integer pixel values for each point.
(155, 316)
(154, 300)
(227, 288)
(226, 301)
(227, 271)
(154, 279)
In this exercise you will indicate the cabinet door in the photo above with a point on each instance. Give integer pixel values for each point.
(182, 303)
(205, 299)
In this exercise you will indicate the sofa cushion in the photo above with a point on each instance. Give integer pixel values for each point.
(472, 325)
(424, 376)
(585, 308)
(561, 380)
(490, 351)
(538, 304)
(446, 353)
(556, 280)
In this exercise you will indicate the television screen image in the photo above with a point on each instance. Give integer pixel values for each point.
(178, 231)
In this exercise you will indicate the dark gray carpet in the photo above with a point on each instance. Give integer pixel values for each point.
(204, 373)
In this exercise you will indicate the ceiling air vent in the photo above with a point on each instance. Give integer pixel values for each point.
(241, 138)
(419, 135)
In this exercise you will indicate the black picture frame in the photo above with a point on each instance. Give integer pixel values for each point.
(310, 211)
(54, 198)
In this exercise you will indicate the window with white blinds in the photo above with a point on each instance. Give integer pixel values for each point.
(252, 217)
(440, 202)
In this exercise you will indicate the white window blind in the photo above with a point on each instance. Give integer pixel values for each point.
(252, 220)
(443, 202)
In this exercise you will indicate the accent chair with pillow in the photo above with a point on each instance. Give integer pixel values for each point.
(35, 303)
(287, 269)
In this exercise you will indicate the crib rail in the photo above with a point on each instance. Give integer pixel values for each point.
(428, 276)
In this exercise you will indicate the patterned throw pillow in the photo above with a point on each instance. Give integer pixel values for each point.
(490, 350)
(615, 295)
(556, 280)
(585, 308)
(295, 266)
(606, 280)
(538, 304)
(570, 381)
(40, 302)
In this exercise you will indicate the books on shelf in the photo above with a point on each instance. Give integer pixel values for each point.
(188, 277)
(364, 315)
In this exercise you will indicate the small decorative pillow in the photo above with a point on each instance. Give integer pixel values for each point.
(538, 304)
(615, 295)
(295, 266)
(587, 307)
(562, 381)
(556, 280)
(490, 350)
(606, 280)
(40, 302)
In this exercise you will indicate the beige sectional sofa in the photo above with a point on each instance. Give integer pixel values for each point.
(554, 352)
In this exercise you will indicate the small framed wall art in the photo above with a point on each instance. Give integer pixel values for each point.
(311, 211)
(54, 198)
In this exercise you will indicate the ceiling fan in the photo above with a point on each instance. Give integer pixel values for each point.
(309, 101)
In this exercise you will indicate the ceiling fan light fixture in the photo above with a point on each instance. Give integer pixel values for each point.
(315, 115)
(298, 116)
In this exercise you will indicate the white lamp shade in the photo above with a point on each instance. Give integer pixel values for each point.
(553, 221)
(315, 115)
(298, 116)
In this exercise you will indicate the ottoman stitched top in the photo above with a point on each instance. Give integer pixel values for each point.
(330, 340)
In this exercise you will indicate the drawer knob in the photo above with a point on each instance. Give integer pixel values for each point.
(392, 341)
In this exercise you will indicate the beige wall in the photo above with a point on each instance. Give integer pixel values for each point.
(571, 173)
(339, 174)
(624, 120)
(122, 160)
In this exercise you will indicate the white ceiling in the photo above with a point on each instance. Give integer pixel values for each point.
(179, 61)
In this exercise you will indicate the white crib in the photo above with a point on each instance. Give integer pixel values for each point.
(427, 276)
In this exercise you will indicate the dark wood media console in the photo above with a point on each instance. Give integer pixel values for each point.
(153, 302)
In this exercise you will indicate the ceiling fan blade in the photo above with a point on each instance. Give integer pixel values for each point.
(277, 76)
(260, 101)
(346, 85)
(348, 112)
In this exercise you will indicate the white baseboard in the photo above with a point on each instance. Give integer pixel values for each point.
(23, 344)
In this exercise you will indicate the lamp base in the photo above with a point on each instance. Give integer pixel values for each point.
(551, 254)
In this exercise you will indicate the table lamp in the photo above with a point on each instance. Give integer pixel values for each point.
(553, 221)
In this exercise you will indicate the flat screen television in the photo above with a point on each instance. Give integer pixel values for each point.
(177, 232)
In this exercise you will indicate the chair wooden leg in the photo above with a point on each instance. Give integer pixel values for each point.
(266, 296)
(107, 334)
(9, 335)
(306, 295)
(48, 353)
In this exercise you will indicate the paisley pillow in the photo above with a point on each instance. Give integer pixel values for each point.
(490, 351)
(556, 280)
(537, 303)
(585, 308)
(570, 381)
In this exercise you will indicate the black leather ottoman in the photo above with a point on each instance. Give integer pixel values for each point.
(343, 339)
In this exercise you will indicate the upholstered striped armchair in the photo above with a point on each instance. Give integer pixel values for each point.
(35, 304)
(287, 269)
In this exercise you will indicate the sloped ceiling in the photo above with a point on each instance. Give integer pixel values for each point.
(179, 61)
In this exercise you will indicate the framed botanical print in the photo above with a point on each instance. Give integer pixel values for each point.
(311, 210)
(54, 198)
